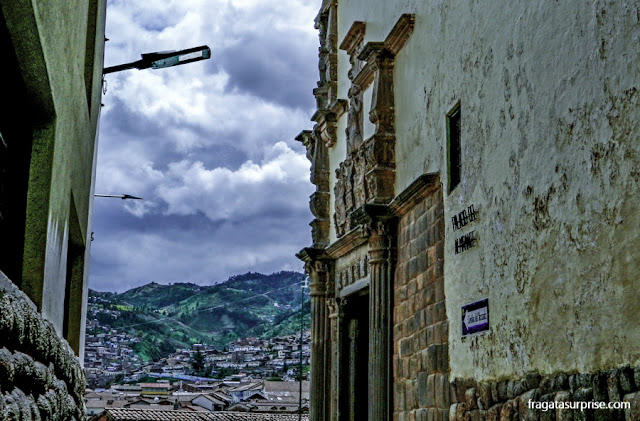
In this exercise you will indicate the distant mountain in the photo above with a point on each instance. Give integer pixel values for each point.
(167, 317)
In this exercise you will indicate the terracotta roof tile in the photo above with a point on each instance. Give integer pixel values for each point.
(166, 415)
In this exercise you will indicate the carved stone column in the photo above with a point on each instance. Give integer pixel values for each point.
(336, 312)
(380, 319)
(319, 271)
(318, 344)
(382, 240)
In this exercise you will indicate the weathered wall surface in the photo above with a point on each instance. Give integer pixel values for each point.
(40, 378)
(550, 155)
(59, 46)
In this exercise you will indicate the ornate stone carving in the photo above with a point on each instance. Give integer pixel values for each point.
(360, 190)
(326, 23)
(340, 213)
(352, 43)
(318, 201)
(367, 175)
(332, 307)
(351, 189)
(326, 92)
(354, 120)
(382, 112)
(356, 270)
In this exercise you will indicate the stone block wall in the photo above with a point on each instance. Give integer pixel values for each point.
(40, 377)
(508, 400)
(420, 328)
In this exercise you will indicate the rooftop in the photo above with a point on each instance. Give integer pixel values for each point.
(154, 385)
(165, 415)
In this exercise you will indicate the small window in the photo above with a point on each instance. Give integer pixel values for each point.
(454, 147)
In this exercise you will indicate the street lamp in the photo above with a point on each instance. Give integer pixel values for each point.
(119, 196)
(162, 59)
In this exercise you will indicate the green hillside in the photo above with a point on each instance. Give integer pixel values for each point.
(155, 295)
(167, 317)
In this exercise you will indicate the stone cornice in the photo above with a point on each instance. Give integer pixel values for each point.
(368, 54)
(326, 4)
(339, 107)
(400, 33)
(370, 50)
(392, 45)
(364, 76)
(326, 126)
(311, 254)
(370, 213)
(322, 90)
(354, 35)
(413, 194)
(320, 116)
(304, 137)
(348, 242)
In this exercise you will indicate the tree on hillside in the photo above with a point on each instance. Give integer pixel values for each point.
(197, 362)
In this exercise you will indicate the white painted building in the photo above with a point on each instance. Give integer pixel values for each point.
(476, 207)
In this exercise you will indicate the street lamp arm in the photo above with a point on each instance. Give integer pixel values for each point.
(133, 65)
(162, 59)
(119, 196)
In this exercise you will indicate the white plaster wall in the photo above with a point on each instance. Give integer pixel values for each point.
(337, 154)
(343, 69)
(368, 128)
(550, 110)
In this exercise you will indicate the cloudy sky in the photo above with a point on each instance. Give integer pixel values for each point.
(208, 145)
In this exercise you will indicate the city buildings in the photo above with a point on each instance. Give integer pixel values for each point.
(475, 242)
(159, 415)
(51, 80)
(247, 396)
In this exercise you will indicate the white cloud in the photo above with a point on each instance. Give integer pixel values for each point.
(281, 180)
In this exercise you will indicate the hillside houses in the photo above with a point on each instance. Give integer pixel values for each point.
(110, 355)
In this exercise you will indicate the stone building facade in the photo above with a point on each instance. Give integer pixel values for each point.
(476, 238)
(51, 82)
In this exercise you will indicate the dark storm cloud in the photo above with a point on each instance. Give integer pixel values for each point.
(276, 68)
(114, 218)
(130, 122)
(213, 147)
(190, 248)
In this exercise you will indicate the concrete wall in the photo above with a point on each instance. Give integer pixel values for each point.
(59, 47)
(550, 155)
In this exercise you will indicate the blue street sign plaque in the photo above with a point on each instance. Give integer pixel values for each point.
(475, 317)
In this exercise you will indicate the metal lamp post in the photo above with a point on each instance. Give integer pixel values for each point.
(162, 59)
(119, 196)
